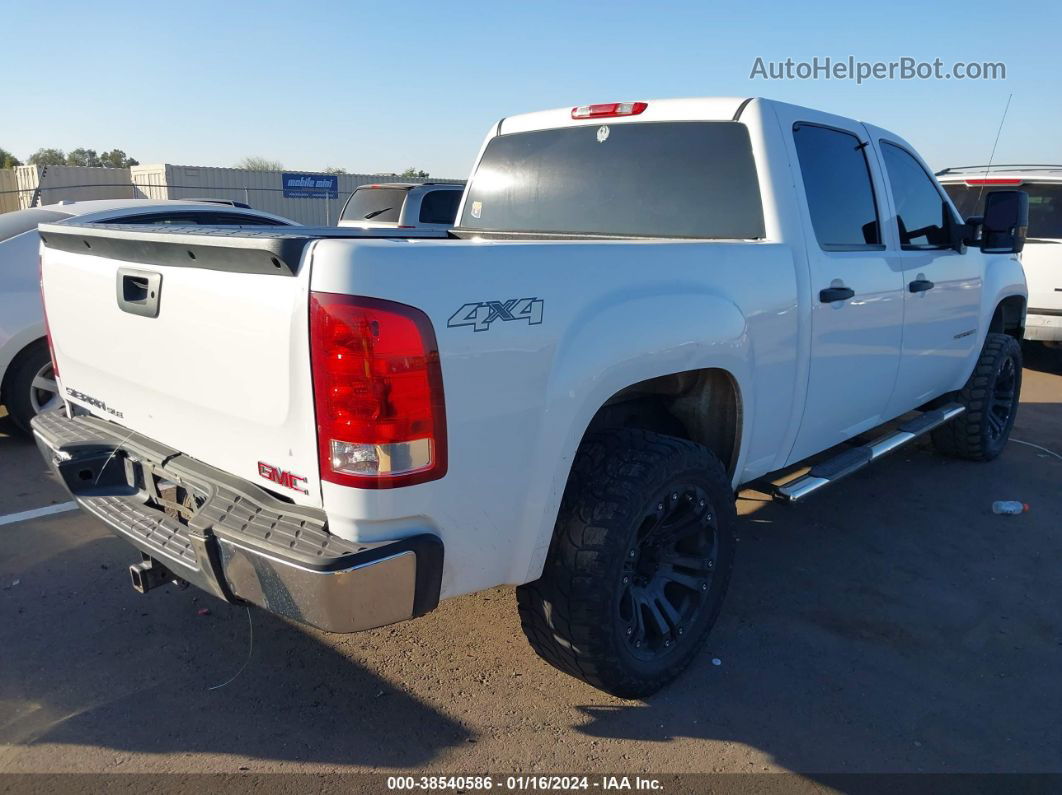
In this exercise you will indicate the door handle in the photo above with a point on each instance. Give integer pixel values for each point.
(920, 285)
(138, 291)
(831, 294)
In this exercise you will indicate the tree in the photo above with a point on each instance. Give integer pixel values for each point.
(116, 158)
(82, 157)
(48, 157)
(413, 173)
(335, 170)
(8, 160)
(255, 163)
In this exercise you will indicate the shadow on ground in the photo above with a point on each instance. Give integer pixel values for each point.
(895, 628)
(1042, 359)
(893, 624)
(132, 673)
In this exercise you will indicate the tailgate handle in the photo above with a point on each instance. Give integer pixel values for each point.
(138, 291)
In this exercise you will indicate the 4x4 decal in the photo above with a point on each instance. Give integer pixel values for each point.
(481, 314)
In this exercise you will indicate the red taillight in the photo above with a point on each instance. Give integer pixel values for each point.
(608, 109)
(381, 420)
(993, 181)
(47, 329)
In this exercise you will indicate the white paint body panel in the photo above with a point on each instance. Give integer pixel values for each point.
(222, 373)
(1043, 270)
(21, 311)
(519, 396)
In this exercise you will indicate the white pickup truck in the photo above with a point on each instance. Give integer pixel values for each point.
(643, 306)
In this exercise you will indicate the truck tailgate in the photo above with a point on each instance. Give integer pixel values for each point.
(194, 337)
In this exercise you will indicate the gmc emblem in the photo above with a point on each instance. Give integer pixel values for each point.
(288, 480)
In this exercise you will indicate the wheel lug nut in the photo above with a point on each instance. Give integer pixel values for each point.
(626, 580)
(710, 564)
(660, 506)
(630, 630)
(700, 504)
(674, 495)
(667, 643)
(704, 586)
(681, 631)
(630, 554)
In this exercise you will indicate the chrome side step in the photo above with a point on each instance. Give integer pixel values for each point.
(855, 458)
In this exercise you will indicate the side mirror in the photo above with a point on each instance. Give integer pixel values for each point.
(1004, 223)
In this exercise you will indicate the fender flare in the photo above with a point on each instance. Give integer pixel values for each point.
(614, 345)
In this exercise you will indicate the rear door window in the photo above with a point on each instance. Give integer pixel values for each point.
(840, 194)
(374, 204)
(439, 206)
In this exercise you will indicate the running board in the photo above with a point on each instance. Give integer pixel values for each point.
(855, 458)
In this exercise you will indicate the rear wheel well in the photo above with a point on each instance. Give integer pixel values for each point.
(1008, 317)
(703, 406)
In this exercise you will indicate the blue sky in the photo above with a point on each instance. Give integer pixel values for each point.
(378, 86)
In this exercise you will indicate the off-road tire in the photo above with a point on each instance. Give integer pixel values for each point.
(978, 434)
(572, 614)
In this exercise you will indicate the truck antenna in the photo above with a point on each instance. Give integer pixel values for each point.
(995, 143)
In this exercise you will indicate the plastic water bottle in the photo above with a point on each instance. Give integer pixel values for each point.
(1009, 507)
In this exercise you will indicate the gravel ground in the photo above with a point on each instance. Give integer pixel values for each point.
(892, 624)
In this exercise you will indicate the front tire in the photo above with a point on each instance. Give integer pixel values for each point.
(991, 398)
(639, 565)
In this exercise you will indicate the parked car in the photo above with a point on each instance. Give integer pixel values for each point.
(642, 307)
(26, 379)
(1042, 256)
(403, 205)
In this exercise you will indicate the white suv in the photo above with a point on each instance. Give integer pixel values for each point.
(403, 205)
(1042, 257)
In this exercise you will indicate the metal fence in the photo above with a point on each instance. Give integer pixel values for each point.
(314, 210)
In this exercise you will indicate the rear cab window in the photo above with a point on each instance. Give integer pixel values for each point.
(375, 204)
(682, 179)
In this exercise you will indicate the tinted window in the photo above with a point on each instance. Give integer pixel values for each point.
(837, 183)
(374, 204)
(1045, 204)
(22, 221)
(922, 215)
(439, 206)
(646, 179)
(235, 219)
(148, 218)
(193, 218)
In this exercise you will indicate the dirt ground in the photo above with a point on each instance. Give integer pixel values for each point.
(891, 624)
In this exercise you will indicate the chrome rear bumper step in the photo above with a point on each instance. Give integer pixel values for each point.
(853, 459)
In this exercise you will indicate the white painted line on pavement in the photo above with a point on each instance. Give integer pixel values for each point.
(37, 513)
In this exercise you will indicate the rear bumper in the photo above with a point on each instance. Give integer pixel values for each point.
(233, 539)
(1044, 325)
